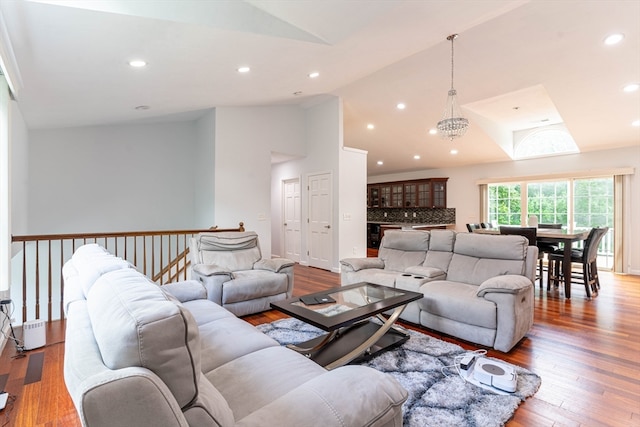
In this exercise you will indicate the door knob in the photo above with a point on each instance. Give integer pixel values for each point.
(285, 224)
(327, 226)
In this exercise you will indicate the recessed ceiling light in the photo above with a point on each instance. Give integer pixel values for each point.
(244, 69)
(416, 157)
(138, 63)
(433, 131)
(613, 39)
(454, 151)
(370, 126)
(142, 107)
(401, 106)
(314, 75)
(635, 123)
(380, 163)
(297, 93)
(631, 87)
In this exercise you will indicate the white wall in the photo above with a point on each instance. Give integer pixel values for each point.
(352, 201)
(19, 171)
(111, 178)
(244, 140)
(463, 194)
(325, 154)
(204, 173)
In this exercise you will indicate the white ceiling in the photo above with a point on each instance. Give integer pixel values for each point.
(545, 57)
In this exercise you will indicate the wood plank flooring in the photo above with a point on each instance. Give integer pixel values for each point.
(587, 353)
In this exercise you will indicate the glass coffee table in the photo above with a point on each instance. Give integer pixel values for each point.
(346, 314)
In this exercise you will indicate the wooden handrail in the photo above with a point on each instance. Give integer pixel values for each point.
(160, 255)
(88, 236)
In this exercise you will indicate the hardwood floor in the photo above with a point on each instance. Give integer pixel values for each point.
(587, 353)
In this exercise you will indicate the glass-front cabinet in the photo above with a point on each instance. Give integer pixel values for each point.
(424, 194)
(421, 193)
(373, 196)
(410, 195)
(397, 195)
(439, 190)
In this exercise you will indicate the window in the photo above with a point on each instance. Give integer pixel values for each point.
(548, 201)
(546, 141)
(505, 204)
(583, 203)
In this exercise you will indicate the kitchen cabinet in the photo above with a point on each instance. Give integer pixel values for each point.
(420, 193)
(439, 192)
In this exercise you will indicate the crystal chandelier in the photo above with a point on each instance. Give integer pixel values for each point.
(452, 125)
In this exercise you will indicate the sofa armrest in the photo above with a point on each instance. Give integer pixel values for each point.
(275, 264)
(350, 396)
(187, 290)
(207, 270)
(212, 278)
(357, 264)
(118, 394)
(506, 284)
(514, 299)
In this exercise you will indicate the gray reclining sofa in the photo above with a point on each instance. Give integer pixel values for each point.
(476, 287)
(137, 354)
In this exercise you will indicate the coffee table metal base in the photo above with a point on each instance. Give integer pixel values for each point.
(359, 341)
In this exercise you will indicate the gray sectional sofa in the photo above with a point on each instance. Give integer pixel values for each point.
(137, 354)
(476, 287)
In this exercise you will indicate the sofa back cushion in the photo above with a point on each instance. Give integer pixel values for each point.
(478, 257)
(136, 324)
(440, 249)
(86, 265)
(233, 250)
(400, 249)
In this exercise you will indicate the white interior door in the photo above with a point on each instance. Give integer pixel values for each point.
(292, 219)
(320, 215)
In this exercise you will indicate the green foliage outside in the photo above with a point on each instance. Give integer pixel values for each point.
(549, 201)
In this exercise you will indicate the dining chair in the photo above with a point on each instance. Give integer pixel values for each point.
(531, 233)
(586, 256)
(545, 248)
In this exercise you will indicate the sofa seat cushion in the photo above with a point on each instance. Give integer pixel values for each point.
(252, 284)
(136, 324)
(459, 302)
(205, 311)
(256, 379)
(229, 338)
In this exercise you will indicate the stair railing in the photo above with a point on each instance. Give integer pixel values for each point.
(36, 270)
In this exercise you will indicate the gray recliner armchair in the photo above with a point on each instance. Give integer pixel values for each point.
(230, 266)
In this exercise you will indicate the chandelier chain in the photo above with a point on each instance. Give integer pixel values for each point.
(452, 38)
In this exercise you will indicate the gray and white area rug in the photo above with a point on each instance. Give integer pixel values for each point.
(438, 396)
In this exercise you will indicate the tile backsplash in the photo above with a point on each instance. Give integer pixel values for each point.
(422, 215)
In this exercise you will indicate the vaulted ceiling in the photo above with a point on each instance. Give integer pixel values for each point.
(518, 65)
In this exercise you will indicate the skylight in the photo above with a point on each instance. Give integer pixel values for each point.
(543, 141)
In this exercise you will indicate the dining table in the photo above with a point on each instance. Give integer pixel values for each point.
(565, 236)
